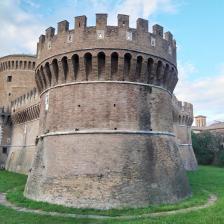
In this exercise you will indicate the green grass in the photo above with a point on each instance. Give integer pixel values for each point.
(16, 197)
(206, 179)
(9, 180)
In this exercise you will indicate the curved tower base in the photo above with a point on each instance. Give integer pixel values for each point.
(107, 170)
(188, 157)
(183, 119)
(115, 153)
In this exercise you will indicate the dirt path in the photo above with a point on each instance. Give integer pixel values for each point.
(211, 201)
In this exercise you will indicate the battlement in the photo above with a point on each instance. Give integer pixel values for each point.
(24, 101)
(14, 62)
(104, 36)
(26, 107)
(101, 24)
(105, 52)
(183, 112)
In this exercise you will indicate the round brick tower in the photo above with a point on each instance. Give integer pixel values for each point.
(183, 118)
(106, 126)
(16, 76)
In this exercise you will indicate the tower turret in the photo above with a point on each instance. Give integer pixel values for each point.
(183, 119)
(106, 128)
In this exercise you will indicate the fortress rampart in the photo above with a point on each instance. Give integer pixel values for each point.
(26, 107)
(106, 98)
(5, 132)
(183, 119)
(25, 120)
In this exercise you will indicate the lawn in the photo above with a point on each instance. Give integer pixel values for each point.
(204, 181)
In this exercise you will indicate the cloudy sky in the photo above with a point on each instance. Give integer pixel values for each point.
(197, 26)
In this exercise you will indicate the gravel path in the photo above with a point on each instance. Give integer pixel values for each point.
(211, 201)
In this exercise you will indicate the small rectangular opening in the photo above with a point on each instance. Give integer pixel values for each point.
(4, 150)
(9, 78)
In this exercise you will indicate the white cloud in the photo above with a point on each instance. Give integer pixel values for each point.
(32, 3)
(19, 29)
(146, 8)
(134, 8)
(206, 93)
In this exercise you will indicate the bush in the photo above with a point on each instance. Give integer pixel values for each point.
(220, 157)
(208, 148)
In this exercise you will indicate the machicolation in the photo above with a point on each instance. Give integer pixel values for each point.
(104, 52)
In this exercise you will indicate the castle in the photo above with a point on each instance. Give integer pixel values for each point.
(92, 118)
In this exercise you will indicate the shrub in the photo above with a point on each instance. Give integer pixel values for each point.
(208, 148)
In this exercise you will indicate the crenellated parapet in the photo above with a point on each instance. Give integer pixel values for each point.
(26, 107)
(182, 112)
(17, 62)
(106, 53)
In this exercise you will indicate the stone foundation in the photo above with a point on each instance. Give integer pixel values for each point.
(107, 171)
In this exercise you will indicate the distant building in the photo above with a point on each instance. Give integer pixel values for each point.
(200, 121)
(215, 127)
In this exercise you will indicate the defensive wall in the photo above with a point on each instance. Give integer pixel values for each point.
(106, 98)
(16, 78)
(5, 133)
(25, 120)
(182, 122)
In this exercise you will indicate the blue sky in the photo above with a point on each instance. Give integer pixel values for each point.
(197, 25)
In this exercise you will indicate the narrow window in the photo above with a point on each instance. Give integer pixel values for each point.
(127, 64)
(114, 64)
(166, 72)
(43, 76)
(75, 64)
(33, 65)
(55, 69)
(149, 70)
(88, 64)
(65, 67)
(139, 66)
(159, 71)
(9, 78)
(101, 64)
(4, 150)
(29, 65)
(48, 71)
(39, 81)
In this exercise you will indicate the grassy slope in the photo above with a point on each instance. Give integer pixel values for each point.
(206, 178)
(16, 197)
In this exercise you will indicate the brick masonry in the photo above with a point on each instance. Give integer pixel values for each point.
(105, 118)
